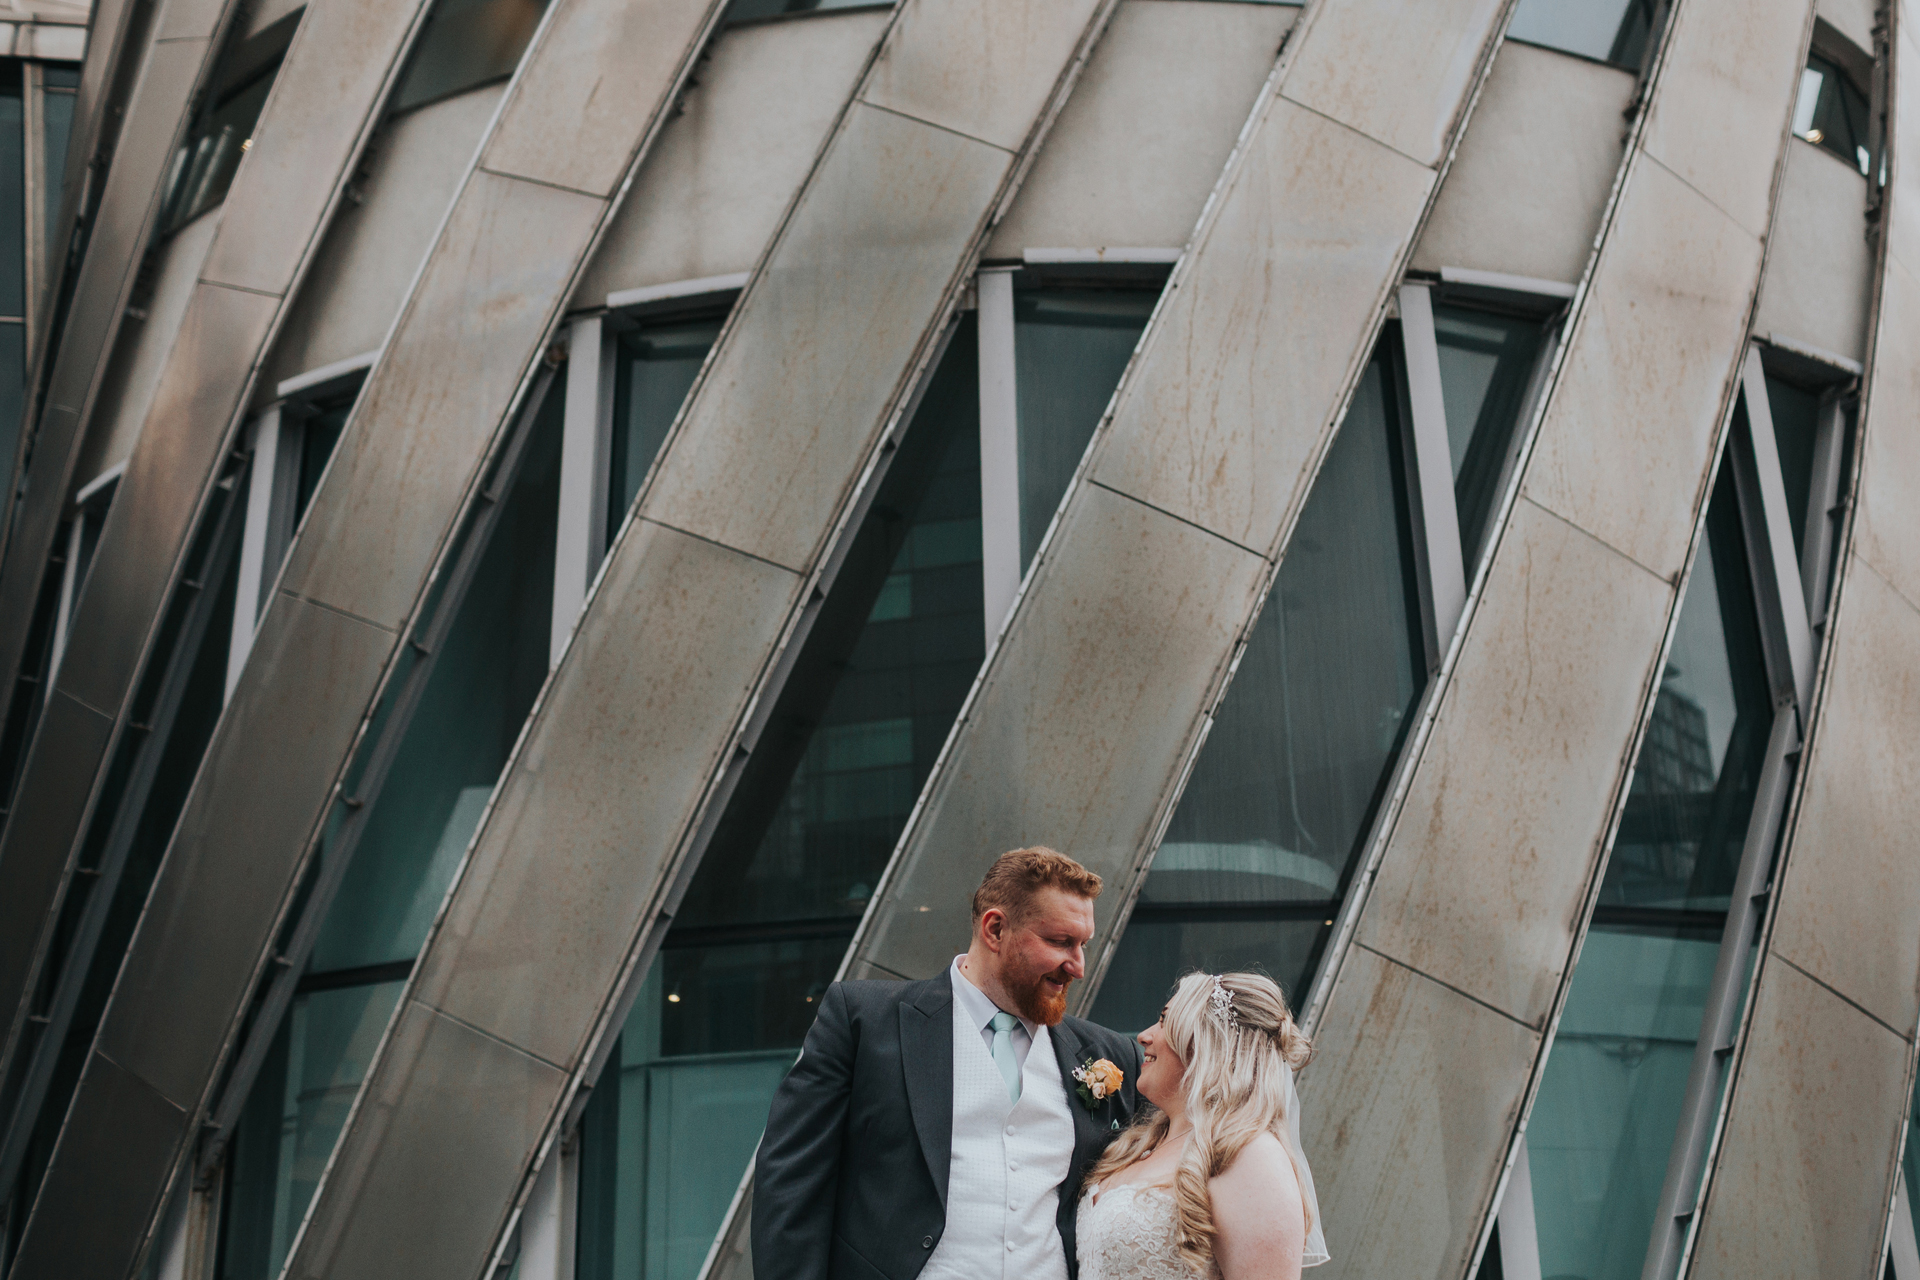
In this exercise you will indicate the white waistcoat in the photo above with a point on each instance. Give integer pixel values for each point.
(1003, 1182)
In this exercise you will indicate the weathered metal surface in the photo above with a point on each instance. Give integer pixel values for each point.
(762, 480)
(1820, 273)
(1807, 1159)
(462, 354)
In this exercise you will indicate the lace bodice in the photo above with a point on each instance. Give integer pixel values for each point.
(1126, 1233)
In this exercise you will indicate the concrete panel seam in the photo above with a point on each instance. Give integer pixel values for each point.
(1838, 994)
(344, 613)
(1441, 982)
(1719, 208)
(1215, 534)
(1593, 537)
(1865, 561)
(239, 288)
(538, 182)
(483, 1033)
(944, 128)
(715, 542)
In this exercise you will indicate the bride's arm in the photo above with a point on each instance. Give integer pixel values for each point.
(1257, 1213)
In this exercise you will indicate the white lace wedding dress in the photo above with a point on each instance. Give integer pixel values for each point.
(1126, 1233)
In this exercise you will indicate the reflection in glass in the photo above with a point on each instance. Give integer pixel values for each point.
(1259, 850)
(1609, 1103)
(204, 166)
(1699, 766)
(1486, 362)
(794, 857)
(1070, 347)
(654, 368)
(467, 43)
(1796, 429)
(477, 697)
(319, 435)
(1610, 1100)
(293, 1116)
(1613, 31)
(1831, 112)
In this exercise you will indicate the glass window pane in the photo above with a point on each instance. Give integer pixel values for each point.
(1486, 360)
(1831, 112)
(1292, 769)
(1607, 30)
(292, 1118)
(57, 116)
(467, 43)
(476, 700)
(320, 434)
(13, 390)
(795, 856)
(1796, 426)
(654, 368)
(1694, 782)
(1609, 1103)
(13, 193)
(750, 10)
(1070, 347)
(204, 166)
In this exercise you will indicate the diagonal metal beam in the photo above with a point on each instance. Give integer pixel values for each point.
(325, 103)
(1807, 1156)
(704, 601)
(136, 100)
(591, 94)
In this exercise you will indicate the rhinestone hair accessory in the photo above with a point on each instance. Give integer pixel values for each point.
(1220, 1005)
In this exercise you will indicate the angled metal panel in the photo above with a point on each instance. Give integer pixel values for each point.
(1807, 1158)
(303, 152)
(1491, 848)
(460, 358)
(598, 820)
(156, 114)
(1284, 286)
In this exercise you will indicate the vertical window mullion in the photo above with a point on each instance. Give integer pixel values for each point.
(1433, 465)
(1823, 508)
(1519, 1235)
(580, 539)
(1000, 568)
(34, 173)
(265, 433)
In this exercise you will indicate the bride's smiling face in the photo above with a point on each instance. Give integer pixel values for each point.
(1162, 1073)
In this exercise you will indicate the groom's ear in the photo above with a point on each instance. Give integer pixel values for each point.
(993, 927)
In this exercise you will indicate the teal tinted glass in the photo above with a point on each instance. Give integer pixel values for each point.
(57, 118)
(1258, 852)
(293, 1117)
(1486, 363)
(13, 390)
(1070, 347)
(795, 856)
(1796, 427)
(467, 43)
(1830, 111)
(13, 193)
(1613, 31)
(654, 368)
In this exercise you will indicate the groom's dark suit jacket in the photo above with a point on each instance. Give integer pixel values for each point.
(851, 1179)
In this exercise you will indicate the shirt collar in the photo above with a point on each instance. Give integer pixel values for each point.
(979, 1006)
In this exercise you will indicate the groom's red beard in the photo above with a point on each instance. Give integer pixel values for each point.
(1036, 1003)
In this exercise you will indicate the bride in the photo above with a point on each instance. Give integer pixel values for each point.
(1209, 1180)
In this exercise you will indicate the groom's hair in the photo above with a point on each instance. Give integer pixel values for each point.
(1016, 876)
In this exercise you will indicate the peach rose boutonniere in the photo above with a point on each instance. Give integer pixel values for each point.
(1098, 1080)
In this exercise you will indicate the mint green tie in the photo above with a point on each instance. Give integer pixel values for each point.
(1003, 1025)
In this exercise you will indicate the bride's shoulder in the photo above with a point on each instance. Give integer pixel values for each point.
(1261, 1172)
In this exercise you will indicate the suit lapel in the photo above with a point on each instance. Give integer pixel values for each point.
(926, 1056)
(1071, 1053)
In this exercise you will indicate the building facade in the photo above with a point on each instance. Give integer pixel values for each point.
(541, 533)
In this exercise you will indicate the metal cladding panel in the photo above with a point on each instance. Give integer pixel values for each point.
(1731, 76)
(433, 405)
(160, 495)
(1353, 67)
(324, 100)
(114, 252)
(598, 75)
(1820, 273)
(983, 68)
(33, 858)
(1096, 690)
(261, 790)
(140, 357)
(1283, 294)
(1408, 1138)
(1849, 913)
(1807, 1157)
(1486, 876)
(189, 20)
(1627, 442)
(715, 187)
(1139, 146)
(373, 249)
(572, 858)
(826, 339)
(1527, 190)
(465, 1101)
(103, 1188)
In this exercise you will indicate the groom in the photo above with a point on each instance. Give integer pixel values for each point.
(936, 1129)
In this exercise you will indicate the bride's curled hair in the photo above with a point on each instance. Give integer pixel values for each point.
(1239, 1066)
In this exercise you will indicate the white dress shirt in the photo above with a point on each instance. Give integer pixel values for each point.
(980, 1008)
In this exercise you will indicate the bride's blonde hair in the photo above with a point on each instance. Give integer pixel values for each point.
(1237, 1060)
